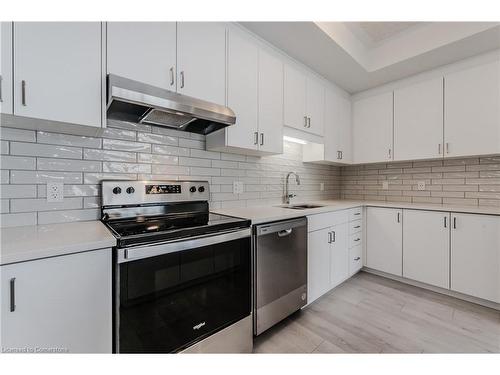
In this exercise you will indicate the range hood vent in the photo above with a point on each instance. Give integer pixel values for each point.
(137, 102)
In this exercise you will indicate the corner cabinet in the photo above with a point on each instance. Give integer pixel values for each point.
(6, 67)
(58, 71)
(304, 101)
(255, 94)
(372, 122)
(63, 302)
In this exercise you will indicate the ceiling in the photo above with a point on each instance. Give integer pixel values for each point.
(361, 55)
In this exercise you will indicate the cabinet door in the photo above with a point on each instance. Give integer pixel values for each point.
(270, 103)
(318, 264)
(315, 106)
(384, 240)
(339, 261)
(475, 255)
(472, 111)
(6, 67)
(143, 51)
(372, 129)
(337, 131)
(61, 302)
(242, 91)
(294, 98)
(418, 121)
(426, 247)
(57, 73)
(201, 60)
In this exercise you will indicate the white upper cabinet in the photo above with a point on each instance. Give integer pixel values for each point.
(270, 103)
(58, 71)
(315, 106)
(418, 121)
(337, 127)
(294, 98)
(475, 255)
(384, 240)
(372, 121)
(304, 101)
(242, 91)
(201, 60)
(6, 67)
(426, 247)
(472, 111)
(143, 51)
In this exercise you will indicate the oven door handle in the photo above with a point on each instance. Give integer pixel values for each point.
(130, 254)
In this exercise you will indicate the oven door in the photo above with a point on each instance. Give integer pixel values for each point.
(171, 295)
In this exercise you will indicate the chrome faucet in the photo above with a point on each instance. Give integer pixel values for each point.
(289, 196)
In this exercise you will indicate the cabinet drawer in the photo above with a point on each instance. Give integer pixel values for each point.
(355, 259)
(355, 213)
(327, 219)
(355, 226)
(355, 239)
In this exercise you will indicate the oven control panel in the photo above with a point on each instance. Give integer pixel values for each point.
(163, 189)
(116, 192)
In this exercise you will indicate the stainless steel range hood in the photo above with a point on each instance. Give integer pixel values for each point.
(134, 101)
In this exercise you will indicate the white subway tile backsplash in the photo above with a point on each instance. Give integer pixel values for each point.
(42, 177)
(17, 162)
(116, 167)
(192, 143)
(65, 216)
(72, 190)
(170, 150)
(4, 147)
(96, 178)
(53, 151)
(4, 206)
(157, 138)
(45, 164)
(4, 176)
(68, 140)
(18, 191)
(18, 219)
(41, 204)
(12, 134)
(114, 133)
(157, 159)
(116, 144)
(92, 154)
(195, 162)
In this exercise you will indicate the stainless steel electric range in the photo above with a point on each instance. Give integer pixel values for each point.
(182, 276)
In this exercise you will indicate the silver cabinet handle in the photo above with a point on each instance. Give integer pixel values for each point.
(308, 122)
(305, 121)
(23, 92)
(284, 233)
(439, 148)
(334, 236)
(1, 96)
(338, 155)
(399, 217)
(447, 147)
(172, 76)
(329, 237)
(390, 153)
(13, 294)
(357, 239)
(357, 213)
(262, 139)
(454, 223)
(357, 258)
(256, 138)
(445, 222)
(182, 79)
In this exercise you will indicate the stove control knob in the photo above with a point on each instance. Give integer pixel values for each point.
(201, 189)
(117, 190)
(192, 189)
(130, 190)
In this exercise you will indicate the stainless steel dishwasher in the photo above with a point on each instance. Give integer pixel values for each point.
(280, 271)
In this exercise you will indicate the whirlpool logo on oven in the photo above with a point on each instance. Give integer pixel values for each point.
(198, 326)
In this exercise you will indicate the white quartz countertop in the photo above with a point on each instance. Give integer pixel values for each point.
(19, 244)
(264, 214)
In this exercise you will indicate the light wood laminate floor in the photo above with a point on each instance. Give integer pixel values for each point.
(372, 314)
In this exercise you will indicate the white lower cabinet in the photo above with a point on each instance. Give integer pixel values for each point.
(475, 255)
(426, 247)
(339, 260)
(61, 303)
(384, 240)
(318, 264)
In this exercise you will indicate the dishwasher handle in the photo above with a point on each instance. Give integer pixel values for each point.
(284, 233)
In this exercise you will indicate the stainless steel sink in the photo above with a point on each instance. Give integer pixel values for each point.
(302, 206)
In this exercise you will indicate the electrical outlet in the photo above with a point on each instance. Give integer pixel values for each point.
(237, 187)
(321, 186)
(421, 185)
(385, 185)
(55, 192)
